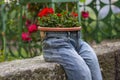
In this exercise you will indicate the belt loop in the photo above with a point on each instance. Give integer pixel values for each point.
(68, 34)
(78, 41)
(78, 33)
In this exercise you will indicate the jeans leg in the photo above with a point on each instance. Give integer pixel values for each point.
(63, 53)
(89, 56)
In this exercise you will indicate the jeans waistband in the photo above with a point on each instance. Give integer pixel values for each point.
(71, 34)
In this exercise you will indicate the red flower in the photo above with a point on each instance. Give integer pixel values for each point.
(27, 23)
(32, 28)
(45, 12)
(74, 14)
(50, 11)
(26, 36)
(59, 15)
(85, 14)
(65, 12)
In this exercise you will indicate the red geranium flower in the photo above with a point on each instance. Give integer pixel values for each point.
(26, 36)
(32, 28)
(74, 14)
(45, 12)
(59, 15)
(27, 23)
(65, 12)
(50, 11)
(85, 14)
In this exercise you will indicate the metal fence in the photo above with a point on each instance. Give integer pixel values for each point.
(11, 45)
(103, 23)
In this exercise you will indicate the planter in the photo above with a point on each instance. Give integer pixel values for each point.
(44, 29)
(56, 29)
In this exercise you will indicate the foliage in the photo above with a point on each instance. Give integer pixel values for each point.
(48, 18)
(82, 0)
(12, 36)
(1, 2)
(93, 28)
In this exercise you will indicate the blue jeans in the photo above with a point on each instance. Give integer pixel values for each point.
(76, 56)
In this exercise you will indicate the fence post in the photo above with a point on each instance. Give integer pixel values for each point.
(20, 31)
(3, 13)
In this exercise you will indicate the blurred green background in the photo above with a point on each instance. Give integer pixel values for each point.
(103, 23)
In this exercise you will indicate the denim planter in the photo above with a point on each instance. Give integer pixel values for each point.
(76, 56)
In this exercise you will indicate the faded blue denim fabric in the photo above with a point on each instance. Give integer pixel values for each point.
(76, 56)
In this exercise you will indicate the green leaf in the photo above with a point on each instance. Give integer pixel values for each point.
(82, 0)
(2, 2)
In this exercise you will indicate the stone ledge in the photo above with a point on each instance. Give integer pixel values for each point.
(31, 69)
(37, 69)
(108, 53)
(106, 47)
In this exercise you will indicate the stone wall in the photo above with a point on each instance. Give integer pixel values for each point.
(110, 65)
(37, 69)
(109, 58)
(31, 69)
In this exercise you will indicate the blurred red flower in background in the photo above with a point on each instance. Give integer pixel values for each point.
(74, 14)
(85, 14)
(27, 23)
(32, 28)
(26, 36)
(59, 14)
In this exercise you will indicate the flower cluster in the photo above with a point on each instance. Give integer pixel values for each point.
(48, 18)
(26, 36)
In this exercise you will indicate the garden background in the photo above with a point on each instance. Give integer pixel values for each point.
(103, 23)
